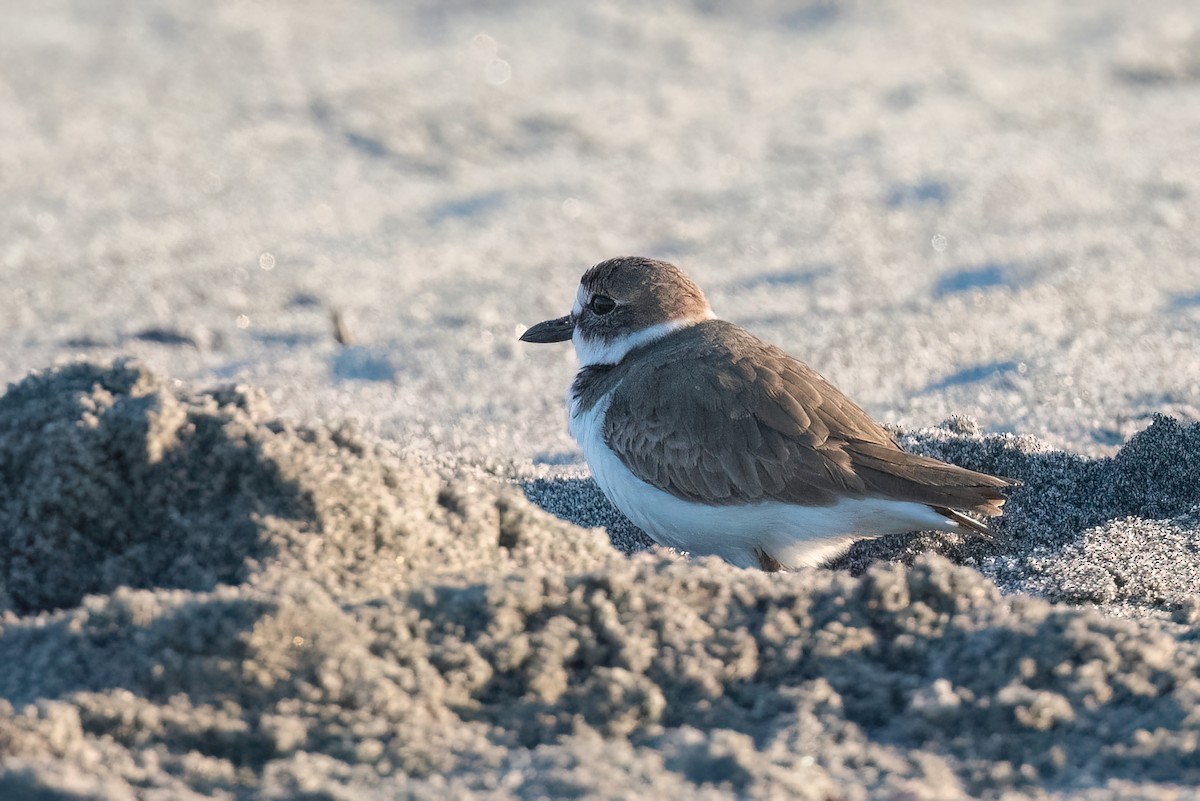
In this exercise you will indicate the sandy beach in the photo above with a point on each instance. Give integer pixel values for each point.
(286, 511)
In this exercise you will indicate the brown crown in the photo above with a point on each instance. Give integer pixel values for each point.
(648, 291)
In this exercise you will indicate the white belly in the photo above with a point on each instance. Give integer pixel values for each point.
(796, 536)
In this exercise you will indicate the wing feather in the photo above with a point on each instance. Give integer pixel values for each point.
(743, 421)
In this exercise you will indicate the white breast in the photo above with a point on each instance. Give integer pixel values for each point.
(796, 536)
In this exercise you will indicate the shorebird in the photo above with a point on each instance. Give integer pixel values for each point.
(715, 442)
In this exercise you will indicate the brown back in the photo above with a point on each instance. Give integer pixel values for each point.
(712, 414)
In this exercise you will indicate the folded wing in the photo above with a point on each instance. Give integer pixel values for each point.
(715, 415)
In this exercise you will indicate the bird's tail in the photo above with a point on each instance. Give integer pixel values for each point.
(968, 523)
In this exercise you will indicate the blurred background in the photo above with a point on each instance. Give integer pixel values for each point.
(986, 209)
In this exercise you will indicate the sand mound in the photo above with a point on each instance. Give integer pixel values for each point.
(318, 619)
(1122, 530)
(111, 478)
(1115, 530)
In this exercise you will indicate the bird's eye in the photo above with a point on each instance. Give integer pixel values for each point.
(602, 304)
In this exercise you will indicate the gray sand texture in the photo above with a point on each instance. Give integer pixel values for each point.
(344, 624)
(287, 512)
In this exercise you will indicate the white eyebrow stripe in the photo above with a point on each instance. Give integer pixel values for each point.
(580, 301)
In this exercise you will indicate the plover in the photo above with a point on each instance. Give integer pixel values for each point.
(715, 442)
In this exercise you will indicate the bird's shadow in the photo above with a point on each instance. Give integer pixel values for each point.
(580, 501)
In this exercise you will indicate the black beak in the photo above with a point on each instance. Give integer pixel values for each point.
(559, 330)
